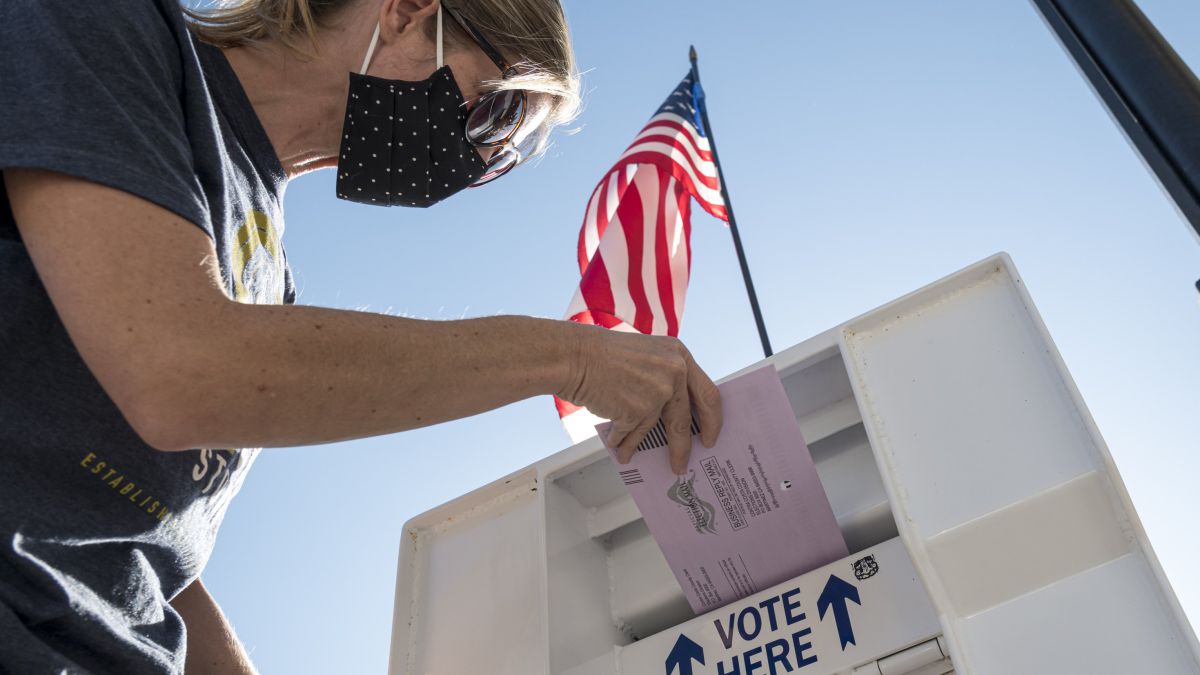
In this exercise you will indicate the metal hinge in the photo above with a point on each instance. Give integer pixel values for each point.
(928, 658)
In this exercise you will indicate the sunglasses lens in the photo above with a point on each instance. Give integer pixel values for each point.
(495, 118)
(500, 163)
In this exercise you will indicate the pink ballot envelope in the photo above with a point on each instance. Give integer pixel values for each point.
(750, 512)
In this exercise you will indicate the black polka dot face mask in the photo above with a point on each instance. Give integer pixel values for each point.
(405, 143)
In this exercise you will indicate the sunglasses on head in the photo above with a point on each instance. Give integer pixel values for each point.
(496, 117)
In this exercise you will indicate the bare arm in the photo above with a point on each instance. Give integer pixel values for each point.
(140, 294)
(212, 646)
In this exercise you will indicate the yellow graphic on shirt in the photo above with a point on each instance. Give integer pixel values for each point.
(256, 262)
(124, 485)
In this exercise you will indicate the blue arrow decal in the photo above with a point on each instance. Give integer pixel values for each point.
(835, 595)
(682, 655)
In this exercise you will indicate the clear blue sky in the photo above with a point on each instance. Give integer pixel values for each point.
(870, 147)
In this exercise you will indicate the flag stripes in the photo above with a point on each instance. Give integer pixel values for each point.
(634, 248)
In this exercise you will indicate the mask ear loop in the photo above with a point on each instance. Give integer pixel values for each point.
(370, 51)
(439, 36)
(375, 42)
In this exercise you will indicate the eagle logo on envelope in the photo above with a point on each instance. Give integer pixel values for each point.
(702, 513)
(758, 480)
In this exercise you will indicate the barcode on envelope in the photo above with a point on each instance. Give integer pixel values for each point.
(657, 436)
(631, 476)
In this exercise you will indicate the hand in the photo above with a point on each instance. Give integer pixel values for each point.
(634, 380)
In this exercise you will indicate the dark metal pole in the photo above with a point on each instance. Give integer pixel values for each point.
(737, 239)
(1149, 91)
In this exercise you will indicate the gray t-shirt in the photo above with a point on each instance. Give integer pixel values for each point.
(98, 531)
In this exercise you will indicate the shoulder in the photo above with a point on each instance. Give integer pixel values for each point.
(113, 28)
(99, 16)
(92, 63)
(97, 89)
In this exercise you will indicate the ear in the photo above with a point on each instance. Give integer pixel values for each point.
(402, 17)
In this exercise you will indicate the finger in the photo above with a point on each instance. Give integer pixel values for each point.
(706, 398)
(635, 438)
(618, 431)
(677, 422)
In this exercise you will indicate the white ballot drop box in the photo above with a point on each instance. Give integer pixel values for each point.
(989, 531)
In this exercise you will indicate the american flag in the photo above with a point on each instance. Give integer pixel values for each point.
(635, 243)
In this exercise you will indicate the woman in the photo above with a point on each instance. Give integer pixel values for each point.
(145, 297)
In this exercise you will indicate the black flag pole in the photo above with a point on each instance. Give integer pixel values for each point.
(1151, 93)
(737, 239)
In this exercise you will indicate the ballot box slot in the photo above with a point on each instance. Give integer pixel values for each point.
(606, 572)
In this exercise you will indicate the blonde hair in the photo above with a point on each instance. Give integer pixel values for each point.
(532, 33)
